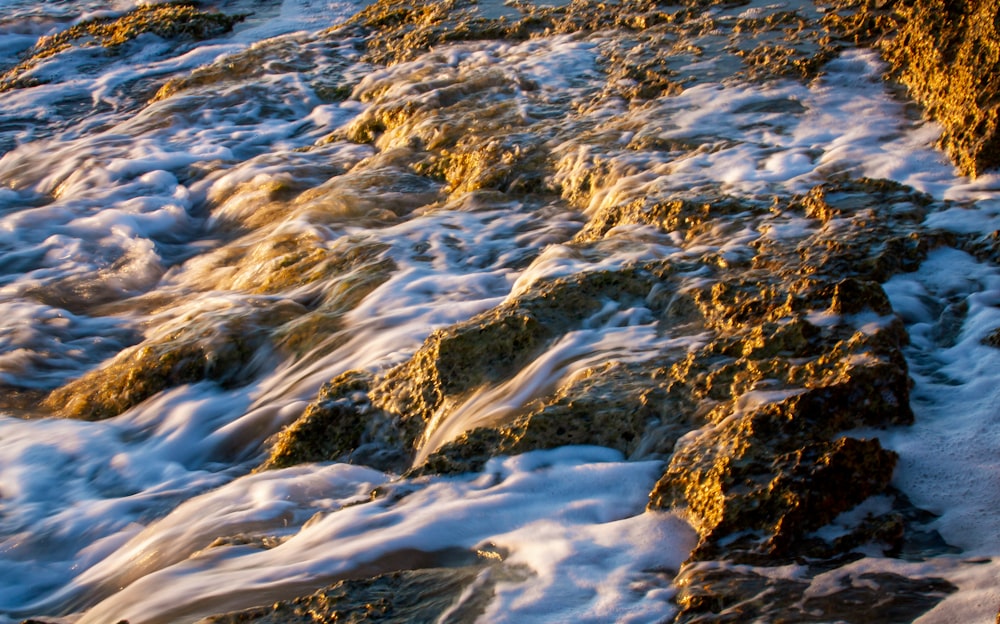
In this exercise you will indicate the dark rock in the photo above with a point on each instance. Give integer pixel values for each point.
(396, 598)
(742, 594)
(993, 338)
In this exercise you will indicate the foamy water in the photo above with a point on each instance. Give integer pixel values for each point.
(123, 221)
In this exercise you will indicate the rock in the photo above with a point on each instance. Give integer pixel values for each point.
(331, 427)
(494, 345)
(948, 56)
(224, 346)
(170, 21)
(396, 598)
(741, 594)
(676, 215)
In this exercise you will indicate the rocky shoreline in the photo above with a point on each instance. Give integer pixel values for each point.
(775, 336)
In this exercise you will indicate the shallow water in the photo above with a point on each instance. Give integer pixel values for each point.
(241, 205)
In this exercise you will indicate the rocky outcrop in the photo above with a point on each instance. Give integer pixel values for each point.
(948, 56)
(782, 368)
(169, 21)
(773, 336)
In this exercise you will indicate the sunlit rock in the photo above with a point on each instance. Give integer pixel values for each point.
(169, 21)
(948, 55)
(225, 346)
(332, 426)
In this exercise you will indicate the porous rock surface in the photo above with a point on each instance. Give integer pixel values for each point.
(777, 337)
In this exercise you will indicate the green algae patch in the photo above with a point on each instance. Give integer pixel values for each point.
(948, 55)
(169, 21)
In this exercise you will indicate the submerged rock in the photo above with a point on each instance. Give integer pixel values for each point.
(426, 595)
(224, 347)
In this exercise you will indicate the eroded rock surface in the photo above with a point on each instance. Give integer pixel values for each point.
(770, 334)
(948, 55)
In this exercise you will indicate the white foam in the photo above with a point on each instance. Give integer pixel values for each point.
(100, 192)
(515, 504)
(955, 399)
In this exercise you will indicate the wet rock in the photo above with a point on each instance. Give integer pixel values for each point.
(617, 405)
(762, 478)
(993, 338)
(844, 198)
(769, 60)
(33, 621)
(489, 141)
(742, 593)
(331, 427)
(454, 361)
(468, 452)
(434, 594)
(405, 28)
(169, 21)
(861, 22)
(677, 215)
(319, 63)
(224, 348)
(492, 346)
(640, 68)
(948, 55)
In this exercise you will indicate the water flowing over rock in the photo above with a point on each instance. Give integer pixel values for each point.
(168, 20)
(502, 229)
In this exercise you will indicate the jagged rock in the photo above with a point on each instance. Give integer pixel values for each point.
(948, 55)
(170, 21)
